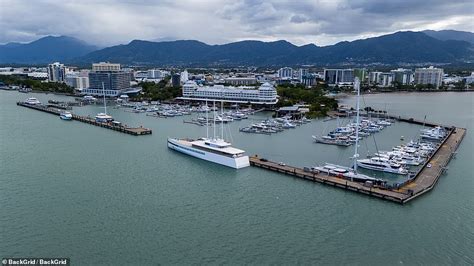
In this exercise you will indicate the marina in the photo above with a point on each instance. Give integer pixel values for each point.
(237, 132)
(146, 171)
(423, 181)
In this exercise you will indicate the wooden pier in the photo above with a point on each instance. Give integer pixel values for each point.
(136, 131)
(424, 180)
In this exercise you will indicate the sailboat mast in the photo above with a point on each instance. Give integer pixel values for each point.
(222, 122)
(214, 115)
(207, 121)
(105, 104)
(356, 155)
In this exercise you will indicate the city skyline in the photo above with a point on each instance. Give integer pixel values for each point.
(109, 22)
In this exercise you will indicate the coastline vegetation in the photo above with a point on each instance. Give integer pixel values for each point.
(160, 91)
(319, 104)
(36, 85)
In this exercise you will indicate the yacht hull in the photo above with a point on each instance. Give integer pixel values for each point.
(383, 169)
(237, 163)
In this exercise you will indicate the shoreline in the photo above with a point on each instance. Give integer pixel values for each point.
(55, 93)
(346, 94)
(407, 92)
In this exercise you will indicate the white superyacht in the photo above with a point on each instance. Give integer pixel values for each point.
(215, 150)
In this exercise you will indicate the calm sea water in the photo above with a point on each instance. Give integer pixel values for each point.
(69, 189)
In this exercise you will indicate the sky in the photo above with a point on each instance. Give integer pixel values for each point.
(322, 22)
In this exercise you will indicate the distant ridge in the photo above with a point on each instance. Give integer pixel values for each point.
(44, 50)
(451, 35)
(393, 49)
(396, 48)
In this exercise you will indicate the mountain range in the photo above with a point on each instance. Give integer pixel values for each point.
(393, 49)
(44, 50)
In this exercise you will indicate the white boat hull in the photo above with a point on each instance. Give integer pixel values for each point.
(383, 169)
(237, 163)
(63, 117)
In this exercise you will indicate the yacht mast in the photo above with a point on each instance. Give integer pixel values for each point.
(222, 118)
(214, 115)
(105, 105)
(356, 155)
(207, 121)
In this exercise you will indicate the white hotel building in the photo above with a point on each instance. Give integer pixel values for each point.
(265, 94)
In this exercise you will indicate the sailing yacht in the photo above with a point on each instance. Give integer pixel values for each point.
(104, 117)
(215, 149)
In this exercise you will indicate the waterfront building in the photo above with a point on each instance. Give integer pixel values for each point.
(361, 73)
(141, 75)
(386, 79)
(38, 75)
(374, 77)
(184, 76)
(469, 79)
(430, 75)
(240, 81)
(285, 73)
(78, 81)
(339, 76)
(114, 79)
(302, 72)
(153, 74)
(403, 76)
(295, 111)
(381, 79)
(56, 72)
(265, 94)
(105, 67)
(308, 80)
(176, 80)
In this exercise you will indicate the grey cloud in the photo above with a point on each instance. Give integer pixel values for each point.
(108, 22)
(298, 19)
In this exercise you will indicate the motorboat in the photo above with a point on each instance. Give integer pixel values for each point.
(65, 115)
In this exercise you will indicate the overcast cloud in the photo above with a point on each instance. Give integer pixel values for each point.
(322, 22)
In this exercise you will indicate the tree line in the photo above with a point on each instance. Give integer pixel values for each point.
(319, 104)
(37, 85)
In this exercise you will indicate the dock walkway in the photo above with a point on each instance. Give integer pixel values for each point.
(136, 131)
(425, 179)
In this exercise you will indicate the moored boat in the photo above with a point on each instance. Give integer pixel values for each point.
(215, 149)
(32, 101)
(65, 115)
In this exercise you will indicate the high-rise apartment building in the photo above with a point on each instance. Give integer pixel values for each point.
(430, 75)
(56, 72)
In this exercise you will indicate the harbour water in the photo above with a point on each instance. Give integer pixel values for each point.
(100, 197)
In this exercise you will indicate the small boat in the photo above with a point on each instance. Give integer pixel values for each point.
(24, 90)
(103, 118)
(332, 141)
(32, 101)
(88, 98)
(65, 115)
